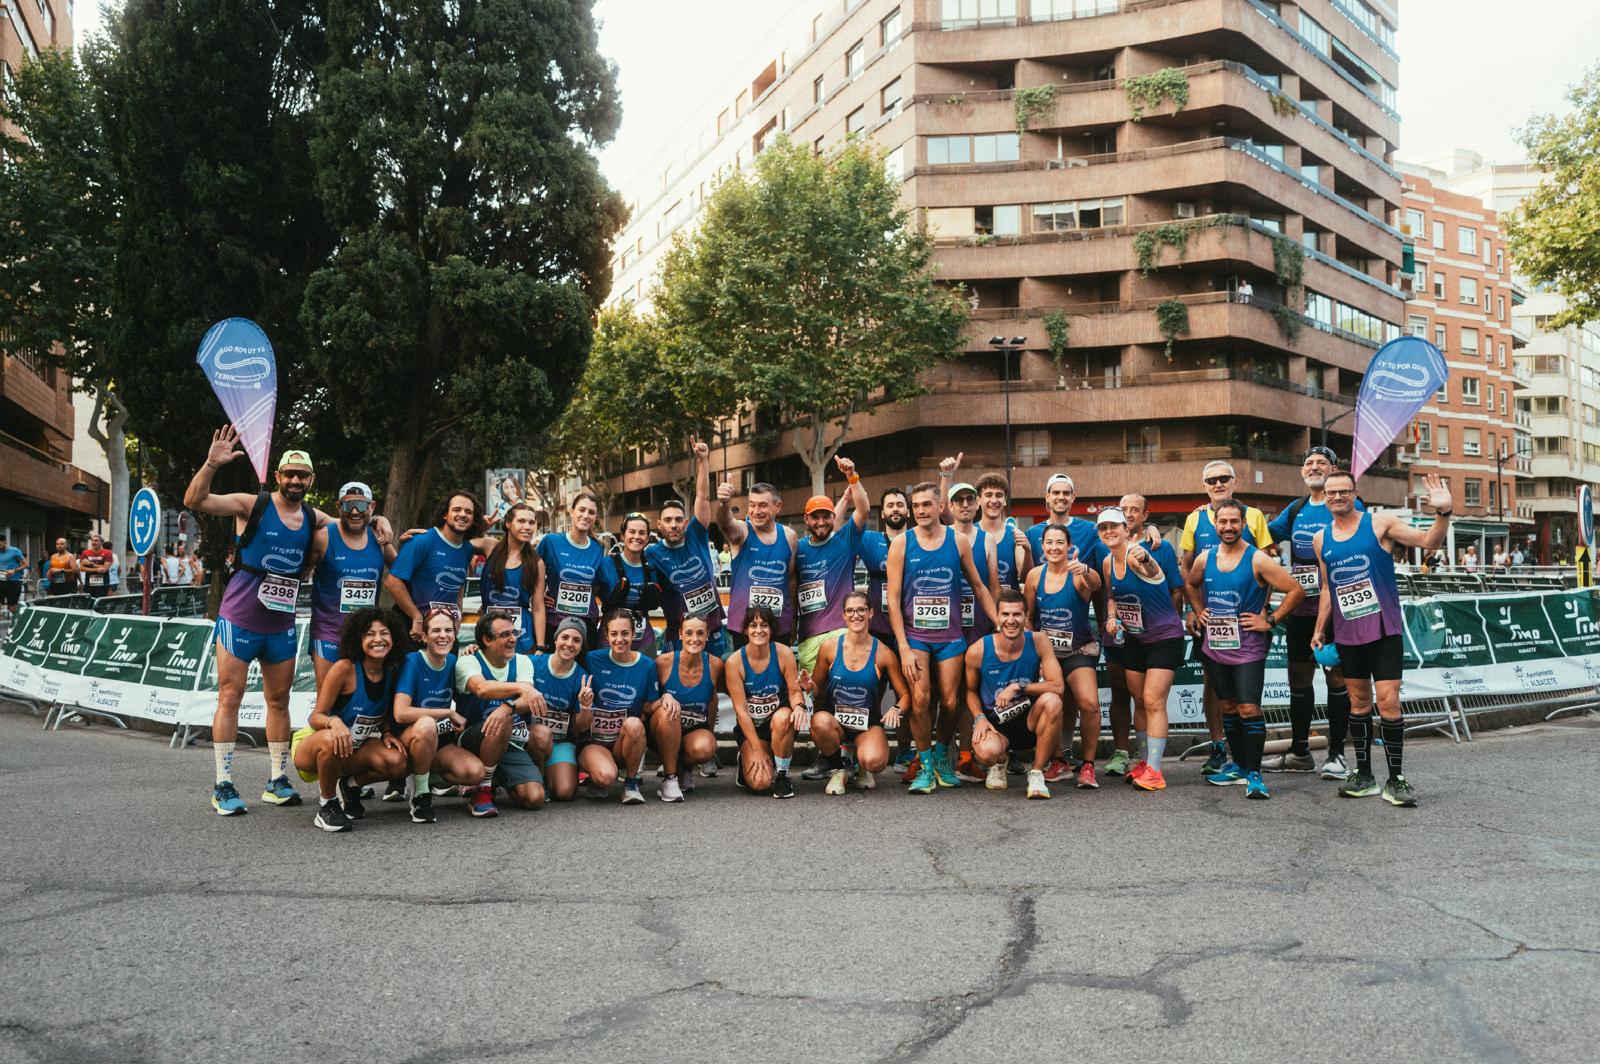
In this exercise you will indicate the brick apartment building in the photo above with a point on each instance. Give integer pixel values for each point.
(1225, 269)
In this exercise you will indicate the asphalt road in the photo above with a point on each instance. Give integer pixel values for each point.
(964, 926)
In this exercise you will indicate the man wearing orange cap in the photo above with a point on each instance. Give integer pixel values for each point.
(826, 562)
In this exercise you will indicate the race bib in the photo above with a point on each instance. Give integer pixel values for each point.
(854, 719)
(449, 607)
(1357, 600)
(1131, 613)
(446, 728)
(640, 623)
(574, 598)
(363, 729)
(762, 707)
(691, 717)
(278, 592)
(606, 724)
(1222, 631)
(1309, 578)
(883, 598)
(969, 609)
(356, 594)
(930, 612)
(97, 579)
(557, 723)
(701, 601)
(519, 732)
(811, 596)
(1060, 642)
(1010, 712)
(770, 597)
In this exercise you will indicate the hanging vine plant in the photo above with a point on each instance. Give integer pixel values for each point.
(1148, 91)
(1147, 243)
(1282, 104)
(1032, 103)
(1172, 318)
(1056, 330)
(1289, 266)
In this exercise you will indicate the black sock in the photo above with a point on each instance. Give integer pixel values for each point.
(1235, 738)
(1338, 719)
(1302, 704)
(1361, 739)
(1394, 739)
(1255, 740)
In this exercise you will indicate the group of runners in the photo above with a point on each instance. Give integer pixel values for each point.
(975, 643)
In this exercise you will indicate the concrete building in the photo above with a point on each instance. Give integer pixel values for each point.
(1475, 432)
(43, 493)
(1202, 192)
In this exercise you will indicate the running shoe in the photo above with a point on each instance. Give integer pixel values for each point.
(1036, 787)
(632, 794)
(913, 768)
(686, 782)
(1359, 785)
(350, 798)
(967, 768)
(865, 781)
(444, 790)
(836, 780)
(226, 801)
(709, 769)
(1137, 769)
(1255, 787)
(1288, 762)
(1019, 766)
(482, 801)
(1398, 791)
(822, 766)
(670, 790)
(595, 791)
(1119, 763)
(1218, 758)
(1151, 779)
(997, 778)
(925, 780)
(396, 791)
(903, 757)
(280, 792)
(1335, 768)
(330, 817)
(781, 787)
(422, 809)
(1086, 780)
(1057, 769)
(943, 772)
(1229, 775)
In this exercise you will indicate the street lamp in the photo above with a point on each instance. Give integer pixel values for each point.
(1499, 489)
(1007, 346)
(1328, 423)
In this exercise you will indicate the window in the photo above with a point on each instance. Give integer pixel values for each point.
(1420, 278)
(1474, 492)
(816, 146)
(1472, 442)
(1313, 32)
(1424, 436)
(1467, 289)
(951, 150)
(1469, 391)
(1438, 234)
(1500, 307)
(1466, 240)
(1438, 285)
(889, 29)
(1469, 340)
(1418, 325)
(967, 14)
(1443, 394)
(889, 98)
(1081, 214)
(1414, 221)
(1058, 10)
(49, 18)
(1488, 304)
(1503, 393)
(1439, 337)
(1488, 396)
(819, 89)
(1442, 444)
(995, 147)
(855, 60)
(1499, 260)
(1502, 354)
(1549, 364)
(855, 121)
(894, 164)
(1033, 447)
(1554, 404)
(1550, 444)
(999, 221)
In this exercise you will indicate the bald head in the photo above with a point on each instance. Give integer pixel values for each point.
(1133, 509)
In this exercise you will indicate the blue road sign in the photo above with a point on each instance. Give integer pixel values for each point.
(144, 522)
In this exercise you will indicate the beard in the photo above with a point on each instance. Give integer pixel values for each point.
(894, 522)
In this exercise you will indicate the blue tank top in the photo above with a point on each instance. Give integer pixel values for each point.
(1144, 608)
(1227, 596)
(620, 692)
(996, 674)
(346, 580)
(560, 695)
(1062, 615)
(571, 575)
(434, 570)
(930, 589)
(764, 691)
(364, 709)
(1309, 519)
(695, 702)
(265, 603)
(761, 577)
(428, 688)
(690, 586)
(644, 633)
(854, 692)
(873, 550)
(1366, 604)
(975, 623)
(512, 600)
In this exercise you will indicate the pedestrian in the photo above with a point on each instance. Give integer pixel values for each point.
(13, 567)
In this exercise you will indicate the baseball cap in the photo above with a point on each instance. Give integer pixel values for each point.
(1060, 478)
(1111, 515)
(355, 487)
(295, 458)
(962, 486)
(818, 502)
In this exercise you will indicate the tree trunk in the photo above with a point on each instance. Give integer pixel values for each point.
(412, 466)
(113, 440)
(816, 450)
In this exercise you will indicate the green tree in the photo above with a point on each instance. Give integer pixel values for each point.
(810, 287)
(1555, 233)
(453, 147)
(58, 236)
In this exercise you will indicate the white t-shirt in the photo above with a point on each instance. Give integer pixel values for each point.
(468, 666)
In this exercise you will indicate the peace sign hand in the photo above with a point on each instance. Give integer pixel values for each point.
(224, 447)
(586, 692)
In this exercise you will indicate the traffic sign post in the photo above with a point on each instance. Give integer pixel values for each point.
(144, 528)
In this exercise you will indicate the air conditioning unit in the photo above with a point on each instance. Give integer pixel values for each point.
(1183, 210)
(1405, 457)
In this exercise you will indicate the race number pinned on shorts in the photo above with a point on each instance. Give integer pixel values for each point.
(1357, 599)
(519, 732)
(701, 601)
(883, 599)
(931, 613)
(1222, 631)
(641, 624)
(852, 718)
(770, 597)
(1309, 578)
(691, 717)
(1130, 612)
(356, 594)
(811, 596)
(363, 729)
(606, 724)
(278, 592)
(1008, 713)
(574, 599)
(557, 723)
(1060, 642)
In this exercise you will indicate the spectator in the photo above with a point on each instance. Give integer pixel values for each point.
(197, 571)
(167, 571)
(1245, 291)
(1501, 559)
(1518, 559)
(61, 570)
(1469, 560)
(13, 567)
(95, 566)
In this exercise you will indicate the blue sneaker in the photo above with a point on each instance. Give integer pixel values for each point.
(1217, 761)
(226, 801)
(902, 758)
(280, 792)
(943, 772)
(1229, 775)
(1255, 787)
(926, 782)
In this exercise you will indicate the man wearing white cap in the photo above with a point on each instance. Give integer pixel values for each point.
(346, 565)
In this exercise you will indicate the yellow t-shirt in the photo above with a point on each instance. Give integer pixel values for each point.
(1200, 532)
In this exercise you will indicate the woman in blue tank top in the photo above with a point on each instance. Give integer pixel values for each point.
(852, 673)
(348, 742)
(640, 594)
(576, 576)
(568, 698)
(682, 727)
(764, 686)
(426, 719)
(1058, 593)
(625, 694)
(513, 578)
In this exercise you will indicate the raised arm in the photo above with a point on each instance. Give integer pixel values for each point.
(702, 481)
(854, 492)
(198, 495)
(947, 471)
(732, 531)
(1390, 530)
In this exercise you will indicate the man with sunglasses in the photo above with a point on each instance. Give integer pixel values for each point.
(273, 533)
(1199, 534)
(1298, 524)
(345, 566)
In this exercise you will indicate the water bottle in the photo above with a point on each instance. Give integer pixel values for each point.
(1114, 634)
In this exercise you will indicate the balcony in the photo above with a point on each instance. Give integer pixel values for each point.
(33, 474)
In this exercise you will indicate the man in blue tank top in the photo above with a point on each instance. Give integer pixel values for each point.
(825, 565)
(256, 621)
(431, 571)
(1014, 693)
(763, 561)
(1228, 587)
(683, 558)
(1362, 600)
(345, 566)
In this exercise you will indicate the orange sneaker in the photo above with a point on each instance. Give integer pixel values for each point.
(914, 767)
(1137, 769)
(968, 770)
(1151, 780)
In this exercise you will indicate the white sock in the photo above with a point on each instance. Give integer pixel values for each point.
(278, 755)
(222, 755)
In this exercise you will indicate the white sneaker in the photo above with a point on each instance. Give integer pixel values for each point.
(997, 777)
(631, 794)
(1335, 769)
(835, 782)
(669, 791)
(1036, 786)
(708, 769)
(865, 781)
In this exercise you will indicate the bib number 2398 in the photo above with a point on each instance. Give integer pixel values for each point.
(278, 592)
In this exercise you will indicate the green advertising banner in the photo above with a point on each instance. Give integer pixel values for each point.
(180, 648)
(1448, 634)
(124, 646)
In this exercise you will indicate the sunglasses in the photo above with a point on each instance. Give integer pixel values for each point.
(294, 474)
(1214, 481)
(355, 506)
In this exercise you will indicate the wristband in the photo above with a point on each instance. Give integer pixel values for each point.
(1444, 513)
(945, 475)
(853, 478)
